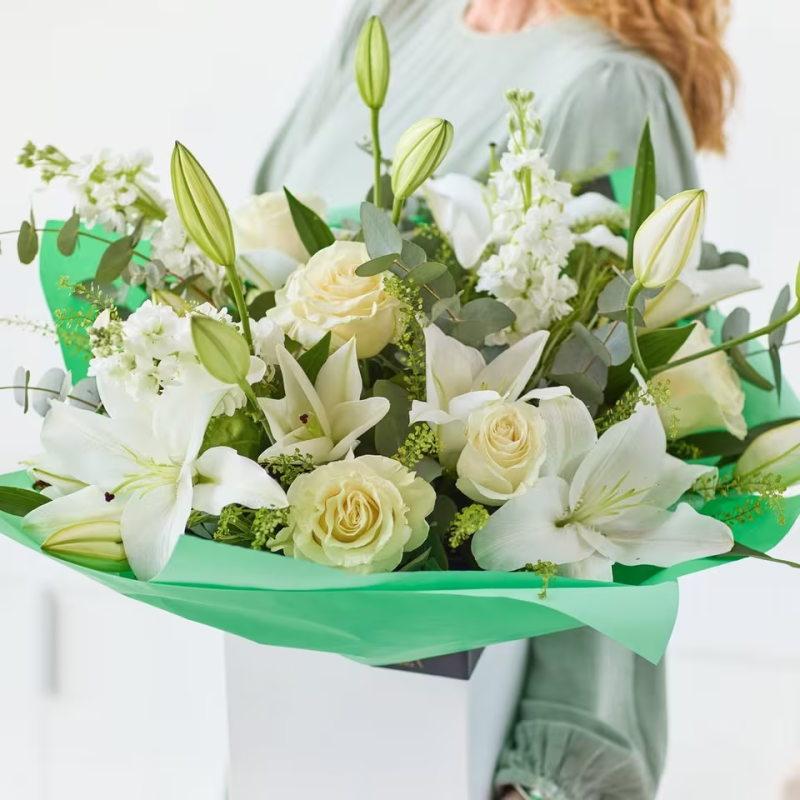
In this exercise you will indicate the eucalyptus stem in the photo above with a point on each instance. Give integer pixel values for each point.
(733, 343)
(376, 154)
(94, 406)
(630, 315)
(238, 297)
(85, 234)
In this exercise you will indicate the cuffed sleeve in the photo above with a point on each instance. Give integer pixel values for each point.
(592, 722)
(599, 119)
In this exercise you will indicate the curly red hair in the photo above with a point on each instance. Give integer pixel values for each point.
(685, 36)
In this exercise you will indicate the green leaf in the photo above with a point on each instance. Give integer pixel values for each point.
(417, 563)
(729, 258)
(180, 287)
(710, 257)
(777, 336)
(380, 236)
(201, 208)
(67, 239)
(424, 273)
(736, 324)
(777, 371)
(259, 307)
(313, 360)
(584, 385)
(392, 430)
(582, 354)
(377, 265)
(443, 288)
(480, 318)
(726, 445)
(28, 241)
(446, 304)
(313, 231)
(412, 254)
(19, 502)
(643, 202)
(613, 300)
(387, 195)
(429, 469)
(614, 336)
(221, 349)
(240, 431)
(27, 402)
(747, 371)
(115, 259)
(742, 551)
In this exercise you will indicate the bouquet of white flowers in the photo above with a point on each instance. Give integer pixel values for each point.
(482, 411)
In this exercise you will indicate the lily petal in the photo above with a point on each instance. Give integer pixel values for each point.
(524, 531)
(451, 367)
(339, 380)
(226, 477)
(267, 270)
(464, 405)
(676, 478)
(153, 523)
(511, 370)
(571, 434)
(595, 568)
(350, 420)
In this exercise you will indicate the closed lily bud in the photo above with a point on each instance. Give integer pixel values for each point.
(82, 528)
(775, 452)
(200, 206)
(372, 63)
(669, 239)
(221, 349)
(419, 153)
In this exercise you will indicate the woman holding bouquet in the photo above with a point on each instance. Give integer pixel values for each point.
(592, 721)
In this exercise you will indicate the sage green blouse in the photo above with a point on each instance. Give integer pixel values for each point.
(592, 719)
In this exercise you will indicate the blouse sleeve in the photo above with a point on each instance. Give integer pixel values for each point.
(591, 724)
(598, 121)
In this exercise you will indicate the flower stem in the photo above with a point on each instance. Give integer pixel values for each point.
(238, 296)
(397, 209)
(93, 406)
(376, 154)
(85, 234)
(733, 343)
(251, 396)
(630, 315)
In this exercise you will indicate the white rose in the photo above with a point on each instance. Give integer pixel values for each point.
(360, 515)
(264, 222)
(506, 447)
(705, 394)
(327, 295)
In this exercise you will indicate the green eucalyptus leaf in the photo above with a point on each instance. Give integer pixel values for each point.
(613, 300)
(777, 336)
(222, 350)
(380, 235)
(614, 336)
(262, 303)
(425, 273)
(429, 469)
(377, 265)
(777, 370)
(180, 287)
(114, 260)
(201, 208)
(28, 241)
(67, 239)
(313, 360)
(582, 354)
(27, 396)
(736, 324)
(387, 195)
(710, 257)
(481, 317)
(240, 431)
(585, 386)
(747, 371)
(412, 254)
(19, 502)
(392, 430)
(643, 201)
(441, 288)
(313, 231)
(730, 258)
(446, 304)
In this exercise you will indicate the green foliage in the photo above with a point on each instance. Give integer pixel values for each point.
(377, 265)
(392, 430)
(778, 335)
(420, 442)
(19, 502)
(411, 341)
(644, 187)
(380, 236)
(28, 241)
(758, 491)
(259, 307)
(547, 571)
(221, 349)
(654, 394)
(466, 523)
(313, 231)
(287, 468)
(115, 260)
(239, 431)
(266, 524)
(67, 239)
(737, 324)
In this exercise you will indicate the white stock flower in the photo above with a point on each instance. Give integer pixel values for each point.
(360, 515)
(705, 394)
(611, 507)
(267, 336)
(149, 455)
(325, 420)
(327, 295)
(459, 381)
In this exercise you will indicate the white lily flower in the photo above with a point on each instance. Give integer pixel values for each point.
(459, 208)
(614, 508)
(459, 381)
(45, 468)
(149, 455)
(777, 452)
(323, 420)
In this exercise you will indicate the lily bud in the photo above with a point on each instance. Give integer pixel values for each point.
(372, 63)
(200, 206)
(82, 528)
(669, 239)
(419, 153)
(221, 349)
(776, 452)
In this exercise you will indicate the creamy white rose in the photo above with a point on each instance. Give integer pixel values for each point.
(264, 222)
(705, 394)
(360, 515)
(327, 295)
(506, 447)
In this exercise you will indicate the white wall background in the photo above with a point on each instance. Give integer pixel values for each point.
(219, 76)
